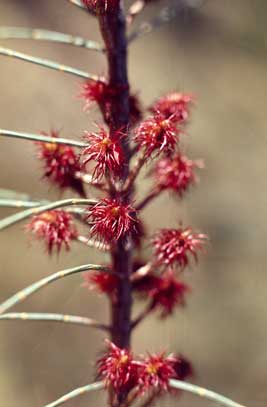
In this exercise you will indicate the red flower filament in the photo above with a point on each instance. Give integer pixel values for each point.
(60, 164)
(102, 282)
(157, 134)
(112, 220)
(176, 173)
(168, 293)
(56, 228)
(105, 151)
(174, 104)
(155, 372)
(117, 369)
(173, 246)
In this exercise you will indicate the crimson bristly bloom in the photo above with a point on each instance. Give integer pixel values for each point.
(155, 372)
(110, 220)
(174, 246)
(55, 227)
(104, 95)
(168, 293)
(105, 151)
(61, 163)
(157, 134)
(117, 369)
(102, 282)
(176, 173)
(175, 104)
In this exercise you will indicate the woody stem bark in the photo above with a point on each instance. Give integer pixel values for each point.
(113, 29)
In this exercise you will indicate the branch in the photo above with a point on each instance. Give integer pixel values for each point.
(165, 16)
(14, 203)
(200, 391)
(78, 3)
(18, 217)
(76, 393)
(28, 291)
(142, 315)
(7, 33)
(47, 63)
(67, 319)
(151, 195)
(42, 138)
(93, 243)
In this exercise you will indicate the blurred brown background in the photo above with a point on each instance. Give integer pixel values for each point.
(217, 50)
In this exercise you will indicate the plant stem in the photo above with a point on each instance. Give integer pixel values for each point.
(48, 317)
(113, 29)
(38, 34)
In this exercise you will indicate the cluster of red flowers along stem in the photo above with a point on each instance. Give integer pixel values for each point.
(128, 140)
(156, 141)
(110, 163)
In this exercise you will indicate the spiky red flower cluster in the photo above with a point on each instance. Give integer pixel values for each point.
(156, 371)
(105, 150)
(105, 95)
(174, 246)
(165, 292)
(174, 104)
(56, 228)
(157, 134)
(112, 220)
(103, 282)
(168, 293)
(120, 370)
(176, 173)
(117, 368)
(60, 164)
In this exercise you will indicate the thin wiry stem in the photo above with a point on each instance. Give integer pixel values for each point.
(136, 8)
(142, 315)
(42, 138)
(93, 243)
(38, 34)
(18, 217)
(47, 63)
(33, 288)
(76, 393)
(66, 319)
(152, 194)
(200, 391)
(77, 3)
(166, 15)
(15, 195)
(14, 203)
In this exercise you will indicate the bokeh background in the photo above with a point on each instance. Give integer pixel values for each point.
(216, 50)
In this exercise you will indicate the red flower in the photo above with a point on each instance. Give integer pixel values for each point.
(174, 104)
(167, 293)
(60, 164)
(157, 134)
(103, 282)
(155, 372)
(95, 92)
(56, 228)
(173, 246)
(176, 173)
(117, 369)
(105, 96)
(106, 151)
(112, 220)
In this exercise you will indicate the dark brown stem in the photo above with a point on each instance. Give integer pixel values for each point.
(113, 29)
